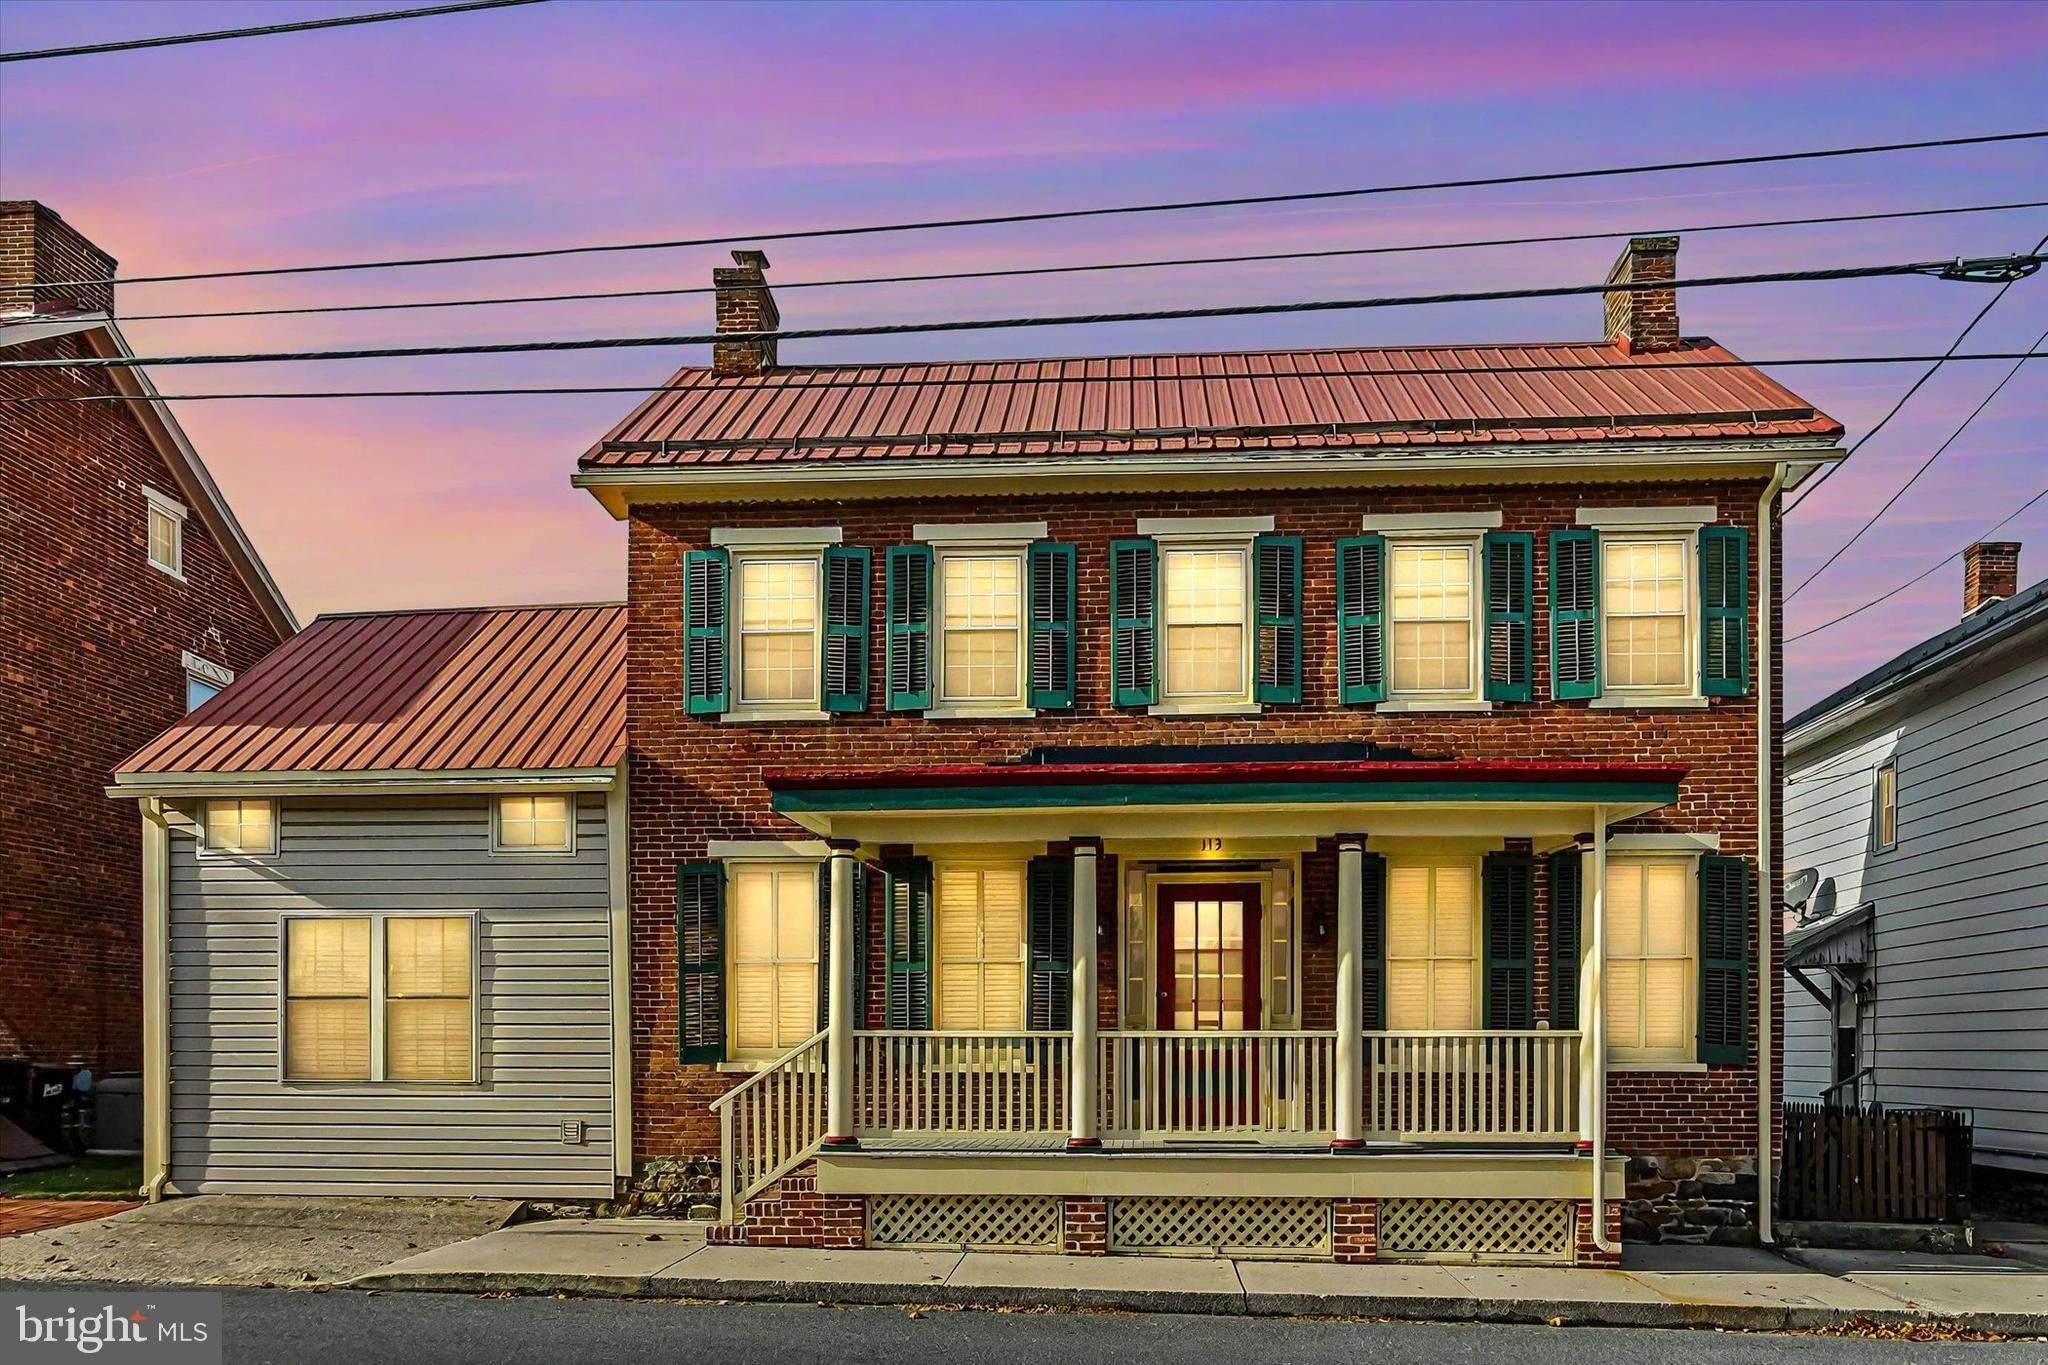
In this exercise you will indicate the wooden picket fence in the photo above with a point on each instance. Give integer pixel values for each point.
(1873, 1164)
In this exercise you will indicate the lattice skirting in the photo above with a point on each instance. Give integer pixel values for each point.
(995, 1222)
(1496, 1230)
(1240, 1227)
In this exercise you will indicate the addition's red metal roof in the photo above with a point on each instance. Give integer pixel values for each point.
(1364, 398)
(465, 689)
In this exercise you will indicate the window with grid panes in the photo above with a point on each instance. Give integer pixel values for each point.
(1204, 622)
(535, 824)
(1645, 609)
(777, 626)
(1430, 598)
(982, 625)
(240, 825)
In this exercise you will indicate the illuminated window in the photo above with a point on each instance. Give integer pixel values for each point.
(427, 1016)
(1643, 600)
(1205, 623)
(1209, 963)
(1431, 602)
(981, 648)
(777, 622)
(1651, 975)
(327, 1000)
(240, 825)
(980, 946)
(1432, 945)
(774, 957)
(422, 981)
(166, 533)
(535, 824)
(1887, 807)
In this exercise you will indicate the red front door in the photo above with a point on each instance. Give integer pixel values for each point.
(1208, 944)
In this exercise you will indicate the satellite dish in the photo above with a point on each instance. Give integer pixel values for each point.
(1800, 889)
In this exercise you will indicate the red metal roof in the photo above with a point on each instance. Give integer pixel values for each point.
(465, 689)
(1222, 401)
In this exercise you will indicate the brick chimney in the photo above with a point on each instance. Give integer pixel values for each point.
(37, 246)
(1644, 319)
(1991, 572)
(744, 304)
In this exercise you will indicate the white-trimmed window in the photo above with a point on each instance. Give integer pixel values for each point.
(1205, 597)
(1433, 645)
(1652, 972)
(1432, 944)
(1646, 609)
(1887, 797)
(379, 998)
(533, 824)
(166, 532)
(239, 824)
(981, 627)
(980, 946)
(775, 630)
(774, 967)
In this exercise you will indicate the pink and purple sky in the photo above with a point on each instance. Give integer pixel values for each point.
(585, 121)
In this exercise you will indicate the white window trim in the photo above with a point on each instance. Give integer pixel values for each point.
(178, 513)
(989, 533)
(762, 1059)
(499, 849)
(1649, 518)
(1633, 1059)
(786, 545)
(1474, 697)
(379, 999)
(767, 850)
(1877, 839)
(1410, 523)
(794, 539)
(1235, 535)
(1203, 528)
(1687, 695)
(276, 836)
(990, 541)
(206, 670)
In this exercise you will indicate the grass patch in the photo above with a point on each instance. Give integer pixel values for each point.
(87, 1177)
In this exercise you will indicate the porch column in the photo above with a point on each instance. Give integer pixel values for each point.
(1350, 1089)
(839, 1002)
(1082, 1127)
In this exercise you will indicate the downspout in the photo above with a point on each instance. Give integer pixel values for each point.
(1765, 853)
(156, 997)
(1595, 1011)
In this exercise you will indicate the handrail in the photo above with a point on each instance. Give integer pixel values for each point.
(769, 1123)
(1853, 1083)
(725, 1101)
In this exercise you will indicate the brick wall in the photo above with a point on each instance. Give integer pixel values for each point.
(90, 639)
(696, 779)
(36, 244)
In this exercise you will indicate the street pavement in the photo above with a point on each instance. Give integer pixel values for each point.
(346, 1327)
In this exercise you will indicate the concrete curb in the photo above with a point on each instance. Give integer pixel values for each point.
(1407, 1308)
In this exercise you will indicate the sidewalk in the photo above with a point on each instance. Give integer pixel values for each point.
(1730, 1287)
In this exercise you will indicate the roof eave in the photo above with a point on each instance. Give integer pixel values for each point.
(390, 782)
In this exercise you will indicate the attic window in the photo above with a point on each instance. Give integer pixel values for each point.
(166, 532)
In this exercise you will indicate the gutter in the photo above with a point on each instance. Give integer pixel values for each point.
(1765, 852)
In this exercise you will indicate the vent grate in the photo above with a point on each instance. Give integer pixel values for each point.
(965, 1222)
(1250, 1226)
(1476, 1229)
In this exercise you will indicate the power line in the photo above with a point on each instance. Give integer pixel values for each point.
(786, 385)
(1907, 396)
(1925, 465)
(1956, 269)
(264, 31)
(1924, 576)
(1052, 215)
(1098, 266)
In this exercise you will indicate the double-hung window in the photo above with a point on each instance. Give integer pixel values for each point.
(776, 629)
(379, 998)
(1645, 593)
(1433, 944)
(1651, 975)
(981, 639)
(166, 532)
(1204, 623)
(1431, 599)
(980, 944)
(774, 995)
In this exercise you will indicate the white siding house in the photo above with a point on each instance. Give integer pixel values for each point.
(1918, 795)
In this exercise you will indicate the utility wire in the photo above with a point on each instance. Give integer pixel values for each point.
(1904, 398)
(1925, 465)
(784, 384)
(1959, 268)
(264, 31)
(1924, 576)
(1052, 215)
(1099, 266)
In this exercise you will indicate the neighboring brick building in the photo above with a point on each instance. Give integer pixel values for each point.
(126, 589)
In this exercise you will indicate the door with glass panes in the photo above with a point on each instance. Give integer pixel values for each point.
(1208, 978)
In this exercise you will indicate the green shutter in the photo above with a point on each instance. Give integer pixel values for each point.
(847, 571)
(1052, 626)
(1134, 627)
(1566, 912)
(856, 979)
(1372, 942)
(1724, 611)
(1510, 941)
(1361, 617)
(1276, 569)
(909, 594)
(1049, 905)
(1724, 959)
(907, 885)
(707, 576)
(1510, 590)
(1574, 614)
(700, 961)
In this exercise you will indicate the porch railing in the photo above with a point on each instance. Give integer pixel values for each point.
(1488, 1085)
(1254, 1085)
(961, 1084)
(769, 1123)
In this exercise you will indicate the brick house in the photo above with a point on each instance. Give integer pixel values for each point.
(128, 594)
(1324, 775)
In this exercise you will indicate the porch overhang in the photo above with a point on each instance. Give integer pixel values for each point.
(1310, 798)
